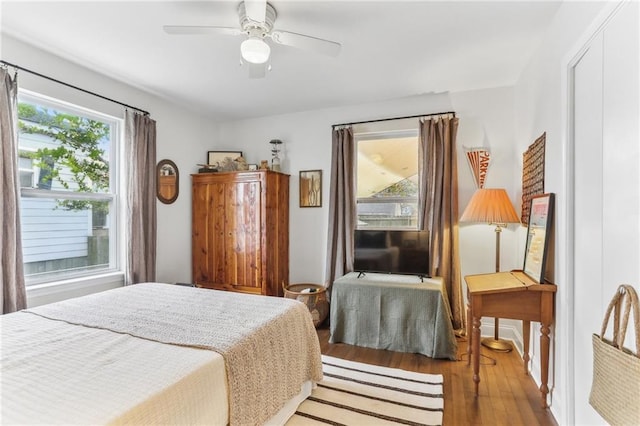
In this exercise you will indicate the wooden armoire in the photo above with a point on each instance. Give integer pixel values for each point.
(240, 231)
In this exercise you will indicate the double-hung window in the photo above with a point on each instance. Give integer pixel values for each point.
(387, 179)
(69, 189)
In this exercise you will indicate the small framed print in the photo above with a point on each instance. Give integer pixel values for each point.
(311, 188)
(253, 167)
(216, 158)
(538, 236)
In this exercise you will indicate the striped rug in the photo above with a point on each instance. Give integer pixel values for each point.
(353, 393)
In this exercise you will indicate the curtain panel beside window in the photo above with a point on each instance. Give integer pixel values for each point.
(140, 150)
(438, 196)
(14, 297)
(342, 205)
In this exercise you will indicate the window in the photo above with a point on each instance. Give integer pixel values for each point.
(25, 167)
(387, 179)
(69, 197)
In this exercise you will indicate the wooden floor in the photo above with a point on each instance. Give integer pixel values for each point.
(507, 396)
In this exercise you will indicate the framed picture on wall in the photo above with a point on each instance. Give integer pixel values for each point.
(538, 235)
(311, 188)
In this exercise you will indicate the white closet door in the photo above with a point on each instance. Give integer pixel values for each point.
(606, 187)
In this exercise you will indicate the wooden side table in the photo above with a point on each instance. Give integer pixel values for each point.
(511, 295)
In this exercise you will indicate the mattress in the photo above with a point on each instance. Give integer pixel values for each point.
(157, 353)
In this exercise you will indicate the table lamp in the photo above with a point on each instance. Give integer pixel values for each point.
(492, 206)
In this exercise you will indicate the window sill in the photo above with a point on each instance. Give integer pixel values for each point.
(41, 294)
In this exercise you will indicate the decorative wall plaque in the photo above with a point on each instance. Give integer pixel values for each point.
(532, 175)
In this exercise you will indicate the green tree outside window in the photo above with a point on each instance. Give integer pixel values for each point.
(78, 152)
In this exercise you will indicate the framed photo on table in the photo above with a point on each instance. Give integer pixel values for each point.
(538, 236)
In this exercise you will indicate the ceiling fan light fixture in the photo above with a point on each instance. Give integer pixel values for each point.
(255, 50)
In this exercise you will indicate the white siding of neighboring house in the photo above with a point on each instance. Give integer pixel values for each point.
(50, 232)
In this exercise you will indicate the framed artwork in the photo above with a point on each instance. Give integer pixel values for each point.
(311, 188)
(215, 158)
(532, 174)
(538, 235)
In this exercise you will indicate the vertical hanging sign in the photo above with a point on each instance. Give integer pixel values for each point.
(478, 159)
(532, 174)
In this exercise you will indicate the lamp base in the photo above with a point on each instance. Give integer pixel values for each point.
(497, 345)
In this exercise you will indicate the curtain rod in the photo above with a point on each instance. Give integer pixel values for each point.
(72, 86)
(394, 118)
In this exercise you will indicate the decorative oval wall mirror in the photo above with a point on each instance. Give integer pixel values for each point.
(167, 180)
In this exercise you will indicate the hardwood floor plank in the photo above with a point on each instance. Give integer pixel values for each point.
(506, 396)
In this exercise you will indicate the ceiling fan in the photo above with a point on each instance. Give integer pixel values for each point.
(256, 24)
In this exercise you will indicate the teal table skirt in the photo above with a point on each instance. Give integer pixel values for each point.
(393, 312)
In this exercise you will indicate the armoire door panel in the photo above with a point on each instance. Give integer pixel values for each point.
(201, 235)
(218, 235)
(244, 231)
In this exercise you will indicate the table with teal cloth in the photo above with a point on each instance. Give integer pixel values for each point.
(394, 312)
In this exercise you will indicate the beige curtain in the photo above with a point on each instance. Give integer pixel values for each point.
(14, 295)
(140, 151)
(439, 196)
(342, 205)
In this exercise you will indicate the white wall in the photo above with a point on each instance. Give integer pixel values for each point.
(541, 95)
(182, 136)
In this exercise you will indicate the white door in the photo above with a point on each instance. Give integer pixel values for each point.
(606, 188)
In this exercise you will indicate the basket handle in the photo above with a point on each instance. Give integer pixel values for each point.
(628, 293)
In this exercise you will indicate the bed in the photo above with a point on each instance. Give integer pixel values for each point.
(158, 354)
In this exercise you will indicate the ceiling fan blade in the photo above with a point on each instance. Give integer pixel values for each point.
(195, 29)
(256, 10)
(257, 70)
(305, 42)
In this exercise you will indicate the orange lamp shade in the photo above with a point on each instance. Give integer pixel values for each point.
(490, 205)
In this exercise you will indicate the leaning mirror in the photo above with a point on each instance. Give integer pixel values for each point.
(167, 181)
(538, 236)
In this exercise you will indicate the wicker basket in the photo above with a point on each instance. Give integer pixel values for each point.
(314, 296)
(615, 389)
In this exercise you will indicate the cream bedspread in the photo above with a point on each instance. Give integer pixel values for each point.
(269, 344)
(85, 376)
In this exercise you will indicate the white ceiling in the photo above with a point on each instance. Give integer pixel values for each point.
(390, 49)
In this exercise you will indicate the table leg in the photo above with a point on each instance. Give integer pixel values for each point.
(469, 339)
(526, 334)
(476, 353)
(544, 361)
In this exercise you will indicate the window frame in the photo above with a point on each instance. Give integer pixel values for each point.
(114, 272)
